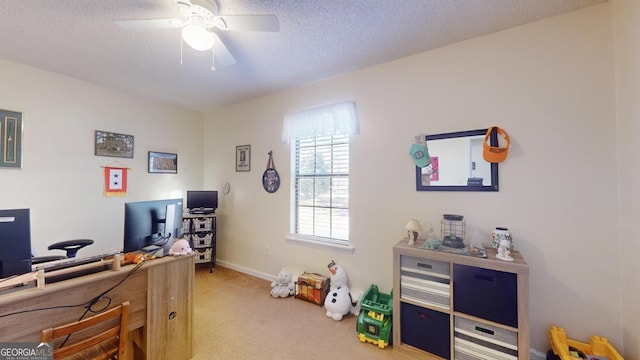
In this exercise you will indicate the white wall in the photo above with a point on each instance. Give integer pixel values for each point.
(61, 179)
(627, 48)
(549, 84)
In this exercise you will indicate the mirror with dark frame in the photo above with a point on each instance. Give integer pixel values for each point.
(457, 163)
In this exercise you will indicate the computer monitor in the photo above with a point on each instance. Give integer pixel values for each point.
(202, 201)
(145, 223)
(172, 227)
(15, 242)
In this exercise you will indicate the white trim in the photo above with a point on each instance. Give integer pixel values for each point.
(246, 270)
(537, 355)
(320, 244)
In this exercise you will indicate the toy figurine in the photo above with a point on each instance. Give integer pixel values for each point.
(283, 285)
(504, 251)
(338, 301)
(180, 247)
(432, 241)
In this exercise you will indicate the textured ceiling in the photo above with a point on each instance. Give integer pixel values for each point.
(318, 39)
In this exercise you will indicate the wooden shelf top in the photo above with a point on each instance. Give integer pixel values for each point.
(518, 265)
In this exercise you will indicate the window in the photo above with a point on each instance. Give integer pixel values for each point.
(319, 141)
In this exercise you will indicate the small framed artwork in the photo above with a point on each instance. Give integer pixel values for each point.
(243, 158)
(113, 144)
(10, 139)
(163, 163)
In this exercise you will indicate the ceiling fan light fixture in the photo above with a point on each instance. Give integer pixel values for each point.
(197, 37)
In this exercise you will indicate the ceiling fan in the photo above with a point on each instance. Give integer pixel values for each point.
(199, 20)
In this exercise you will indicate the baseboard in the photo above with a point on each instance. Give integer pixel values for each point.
(245, 270)
(535, 354)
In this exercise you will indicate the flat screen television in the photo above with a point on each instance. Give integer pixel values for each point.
(202, 201)
(144, 223)
(15, 242)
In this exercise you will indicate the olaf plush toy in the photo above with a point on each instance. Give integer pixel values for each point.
(338, 301)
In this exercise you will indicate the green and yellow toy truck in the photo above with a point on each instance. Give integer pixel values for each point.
(374, 322)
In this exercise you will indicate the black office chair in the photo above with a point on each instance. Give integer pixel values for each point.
(71, 248)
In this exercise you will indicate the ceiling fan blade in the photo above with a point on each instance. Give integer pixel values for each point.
(250, 22)
(150, 24)
(221, 53)
(184, 3)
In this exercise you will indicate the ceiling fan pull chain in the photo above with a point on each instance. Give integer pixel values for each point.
(213, 68)
(181, 44)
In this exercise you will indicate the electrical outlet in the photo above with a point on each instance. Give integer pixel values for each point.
(267, 251)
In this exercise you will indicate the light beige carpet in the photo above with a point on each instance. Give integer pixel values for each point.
(237, 318)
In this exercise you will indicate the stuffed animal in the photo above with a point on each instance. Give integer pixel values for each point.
(133, 258)
(283, 285)
(339, 301)
(180, 247)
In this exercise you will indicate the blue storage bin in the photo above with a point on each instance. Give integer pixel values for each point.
(487, 294)
(425, 329)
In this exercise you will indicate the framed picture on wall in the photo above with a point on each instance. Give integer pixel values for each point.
(243, 158)
(164, 163)
(10, 139)
(113, 144)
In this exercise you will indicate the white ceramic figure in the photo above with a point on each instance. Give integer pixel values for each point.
(499, 234)
(504, 251)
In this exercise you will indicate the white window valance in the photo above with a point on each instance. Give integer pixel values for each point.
(335, 119)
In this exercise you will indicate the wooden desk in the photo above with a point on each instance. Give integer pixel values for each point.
(161, 313)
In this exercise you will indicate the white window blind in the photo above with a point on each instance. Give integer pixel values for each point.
(319, 141)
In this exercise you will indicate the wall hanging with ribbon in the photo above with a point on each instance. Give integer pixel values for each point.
(270, 178)
(115, 180)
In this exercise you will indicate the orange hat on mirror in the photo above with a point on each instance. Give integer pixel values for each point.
(495, 154)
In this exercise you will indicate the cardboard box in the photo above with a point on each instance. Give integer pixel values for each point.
(312, 288)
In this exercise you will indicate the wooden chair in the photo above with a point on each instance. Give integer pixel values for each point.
(110, 342)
